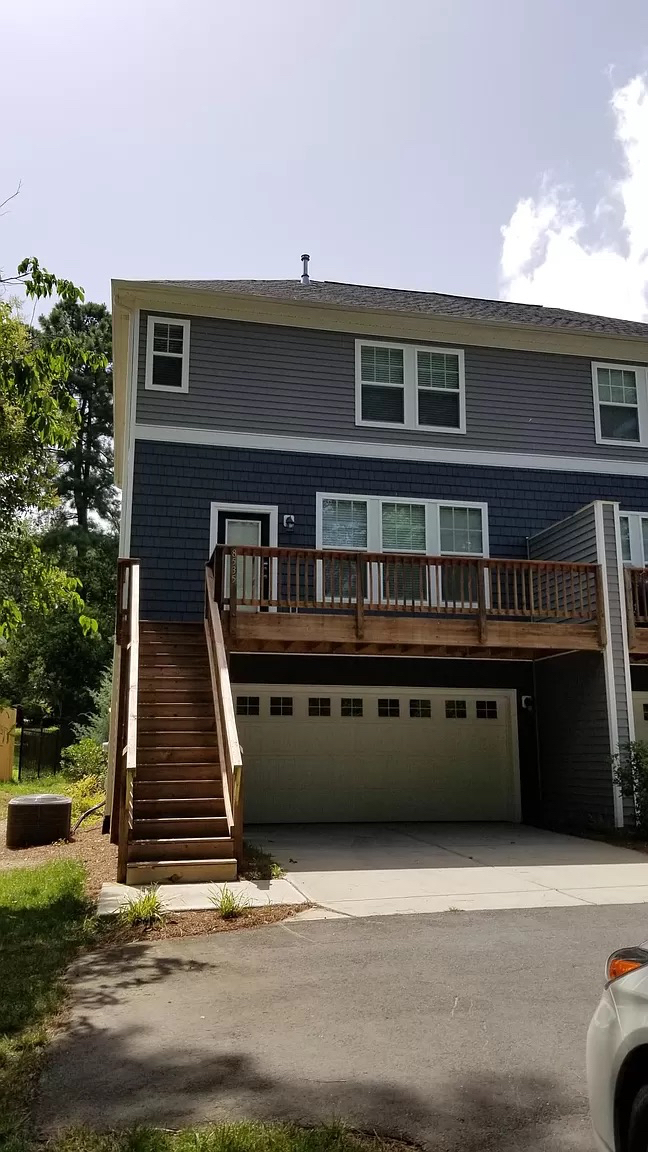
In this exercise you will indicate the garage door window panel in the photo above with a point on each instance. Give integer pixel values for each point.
(281, 706)
(456, 710)
(319, 706)
(486, 709)
(420, 709)
(351, 706)
(389, 708)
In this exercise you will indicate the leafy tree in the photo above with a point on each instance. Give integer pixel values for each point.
(85, 475)
(50, 666)
(38, 415)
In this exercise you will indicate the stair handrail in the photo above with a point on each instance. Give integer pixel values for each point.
(127, 671)
(229, 748)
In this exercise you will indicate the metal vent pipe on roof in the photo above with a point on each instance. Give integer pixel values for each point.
(305, 278)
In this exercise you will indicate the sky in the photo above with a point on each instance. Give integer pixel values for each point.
(494, 148)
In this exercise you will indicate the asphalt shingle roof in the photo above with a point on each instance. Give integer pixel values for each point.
(361, 296)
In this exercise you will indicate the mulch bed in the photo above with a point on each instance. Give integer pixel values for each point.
(177, 924)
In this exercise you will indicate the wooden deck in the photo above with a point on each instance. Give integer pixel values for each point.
(306, 600)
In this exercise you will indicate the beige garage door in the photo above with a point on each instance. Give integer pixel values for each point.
(339, 754)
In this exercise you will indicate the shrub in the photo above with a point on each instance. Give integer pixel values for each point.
(97, 725)
(227, 903)
(146, 909)
(87, 758)
(631, 774)
(85, 793)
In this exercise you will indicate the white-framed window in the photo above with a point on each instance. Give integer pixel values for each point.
(421, 527)
(410, 386)
(634, 538)
(620, 403)
(167, 354)
(347, 522)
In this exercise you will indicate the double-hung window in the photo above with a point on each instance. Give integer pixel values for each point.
(405, 386)
(620, 404)
(415, 528)
(167, 354)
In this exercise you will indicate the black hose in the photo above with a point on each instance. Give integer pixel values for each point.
(88, 813)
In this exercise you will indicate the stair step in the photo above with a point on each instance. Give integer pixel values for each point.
(169, 787)
(189, 770)
(169, 848)
(188, 754)
(187, 670)
(183, 737)
(181, 871)
(178, 807)
(179, 827)
(164, 692)
(171, 625)
(170, 713)
(182, 650)
(163, 724)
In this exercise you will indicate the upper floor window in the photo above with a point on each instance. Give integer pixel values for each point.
(167, 354)
(402, 386)
(620, 404)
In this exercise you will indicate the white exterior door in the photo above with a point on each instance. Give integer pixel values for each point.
(320, 753)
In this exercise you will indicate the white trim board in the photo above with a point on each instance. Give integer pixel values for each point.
(217, 438)
(624, 624)
(129, 445)
(271, 510)
(608, 660)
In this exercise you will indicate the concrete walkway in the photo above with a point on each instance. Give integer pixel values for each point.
(380, 870)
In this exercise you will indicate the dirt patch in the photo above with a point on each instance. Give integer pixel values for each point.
(202, 923)
(94, 850)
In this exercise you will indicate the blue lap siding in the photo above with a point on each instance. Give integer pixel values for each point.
(174, 484)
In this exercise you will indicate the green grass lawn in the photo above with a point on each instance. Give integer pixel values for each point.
(45, 919)
(224, 1138)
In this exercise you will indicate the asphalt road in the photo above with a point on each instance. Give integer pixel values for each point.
(460, 1031)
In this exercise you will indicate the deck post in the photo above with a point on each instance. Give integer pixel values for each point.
(482, 622)
(359, 599)
(232, 592)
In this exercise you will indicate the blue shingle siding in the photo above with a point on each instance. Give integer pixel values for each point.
(574, 741)
(174, 485)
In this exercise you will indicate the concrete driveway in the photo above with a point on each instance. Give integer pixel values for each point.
(382, 869)
(462, 1031)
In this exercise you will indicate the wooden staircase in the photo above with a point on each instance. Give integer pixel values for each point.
(180, 830)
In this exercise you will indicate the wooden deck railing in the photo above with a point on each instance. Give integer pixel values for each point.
(322, 581)
(229, 749)
(125, 743)
(636, 589)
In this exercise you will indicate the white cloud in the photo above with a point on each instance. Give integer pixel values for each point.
(547, 256)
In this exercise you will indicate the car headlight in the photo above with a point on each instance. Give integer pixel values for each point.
(625, 960)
